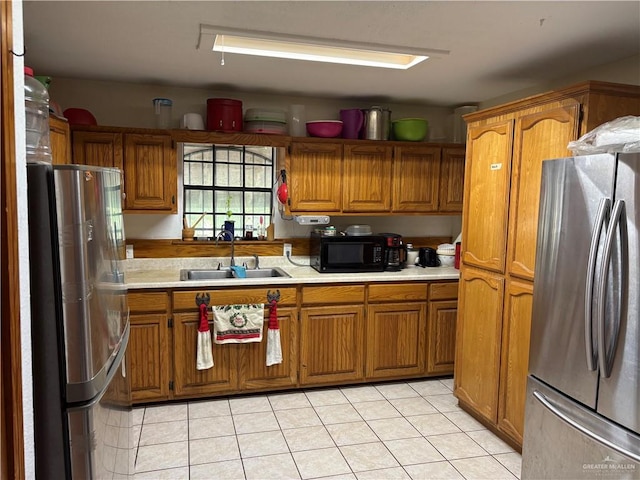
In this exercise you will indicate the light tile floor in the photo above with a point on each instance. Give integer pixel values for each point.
(400, 430)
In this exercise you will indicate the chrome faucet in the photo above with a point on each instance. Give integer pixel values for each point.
(222, 233)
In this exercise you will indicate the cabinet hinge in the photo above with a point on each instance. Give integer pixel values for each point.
(170, 322)
(171, 385)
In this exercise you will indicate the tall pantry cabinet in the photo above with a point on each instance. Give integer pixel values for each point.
(505, 149)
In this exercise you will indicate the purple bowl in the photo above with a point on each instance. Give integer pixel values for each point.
(324, 128)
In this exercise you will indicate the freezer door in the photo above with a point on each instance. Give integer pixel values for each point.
(101, 443)
(619, 393)
(574, 204)
(94, 297)
(563, 440)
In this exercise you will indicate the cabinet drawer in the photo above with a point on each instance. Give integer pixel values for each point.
(186, 300)
(332, 294)
(443, 291)
(397, 292)
(148, 302)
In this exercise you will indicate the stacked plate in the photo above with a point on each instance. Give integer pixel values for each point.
(264, 120)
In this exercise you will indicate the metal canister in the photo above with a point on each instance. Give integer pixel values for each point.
(373, 124)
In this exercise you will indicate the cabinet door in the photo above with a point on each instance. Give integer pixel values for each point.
(254, 373)
(331, 344)
(538, 136)
(441, 337)
(222, 377)
(515, 358)
(60, 139)
(150, 173)
(451, 180)
(367, 178)
(149, 357)
(477, 365)
(416, 171)
(396, 339)
(99, 149)
(315, 177)
(486, 195)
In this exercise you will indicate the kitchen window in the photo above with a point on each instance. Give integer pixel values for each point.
(228, 183)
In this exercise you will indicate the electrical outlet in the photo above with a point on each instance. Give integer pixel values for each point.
(286, 251)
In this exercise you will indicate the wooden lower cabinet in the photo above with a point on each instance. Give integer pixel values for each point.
(477, 366)
(188, 380)
(331, 344)
(396, 330)
(253, 370)
(396, 339)
(515, 358)
(441, 328)
(149, 346)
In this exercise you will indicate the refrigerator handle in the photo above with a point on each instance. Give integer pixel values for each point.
(566, 417)
(618, 219)
(601, 215)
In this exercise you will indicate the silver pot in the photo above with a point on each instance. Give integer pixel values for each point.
(377, 123)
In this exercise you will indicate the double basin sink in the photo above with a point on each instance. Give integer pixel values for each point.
(212, 274)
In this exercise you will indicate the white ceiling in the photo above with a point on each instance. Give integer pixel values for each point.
(496, 47)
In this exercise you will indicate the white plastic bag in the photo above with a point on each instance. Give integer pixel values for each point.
(621, 135)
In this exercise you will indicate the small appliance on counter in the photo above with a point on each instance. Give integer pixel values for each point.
(395, 252)
(428, 257)
(347, 254)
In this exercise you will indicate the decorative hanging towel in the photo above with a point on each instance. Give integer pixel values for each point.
(238, 323)
(274, 348)
(205, 349)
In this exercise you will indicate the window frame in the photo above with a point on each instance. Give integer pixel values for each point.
(211, 221)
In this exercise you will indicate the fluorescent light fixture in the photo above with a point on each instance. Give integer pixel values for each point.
(314, 49)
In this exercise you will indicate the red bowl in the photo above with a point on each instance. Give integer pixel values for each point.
(325, 128)
(79, 116)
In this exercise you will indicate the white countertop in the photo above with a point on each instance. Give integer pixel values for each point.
(165, 273)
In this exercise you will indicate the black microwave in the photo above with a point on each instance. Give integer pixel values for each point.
(333, 254)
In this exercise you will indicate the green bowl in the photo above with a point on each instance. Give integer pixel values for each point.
(410, 129)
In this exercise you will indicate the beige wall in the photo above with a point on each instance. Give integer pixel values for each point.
(622, 71)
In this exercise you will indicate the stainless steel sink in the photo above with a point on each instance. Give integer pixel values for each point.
(210, 274)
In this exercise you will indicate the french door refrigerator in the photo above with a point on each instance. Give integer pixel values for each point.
(79, 323)
(582, 414)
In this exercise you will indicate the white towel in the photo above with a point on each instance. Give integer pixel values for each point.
(238, 323)
(205, 353)
(274, 347)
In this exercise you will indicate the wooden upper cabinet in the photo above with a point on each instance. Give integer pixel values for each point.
(478, 335)
(148, 163)
(486, 196)
(451, 180)
(367, 178)
(150, 173)
(538, 136)
(416, 173)
(99, 149)
(60, 139)
(314, 172)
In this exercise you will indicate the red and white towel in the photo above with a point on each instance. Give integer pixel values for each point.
(274, 347)
(238, 323)
(204, 347)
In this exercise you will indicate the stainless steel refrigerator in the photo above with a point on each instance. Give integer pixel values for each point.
(582, 415)
(79, 323)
